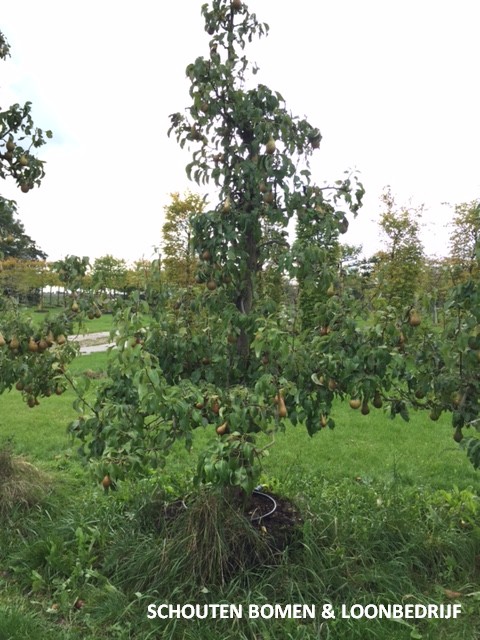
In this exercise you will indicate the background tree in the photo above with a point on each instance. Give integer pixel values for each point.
(14, 242)
(179, 261)
(109, 275)
(398, 267)
(465, 238)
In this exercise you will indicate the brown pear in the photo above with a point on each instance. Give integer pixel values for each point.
(414, 318)
(222, 429)
(282, 409)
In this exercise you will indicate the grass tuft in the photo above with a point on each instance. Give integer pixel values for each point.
(21, 484)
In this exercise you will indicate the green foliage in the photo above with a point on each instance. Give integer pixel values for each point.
(398, 269)
(14, 242)
(109, 273)
(19, 139)
(465, 239)
(179, 261)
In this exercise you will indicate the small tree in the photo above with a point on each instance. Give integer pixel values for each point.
(179, 260)
(399, 266)
(109, 273)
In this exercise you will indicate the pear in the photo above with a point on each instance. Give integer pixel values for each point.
(282, 409)
(14, 343)
(355, 403)
(32, 346)
(332, 385)
(222, 429)
(211, 285)
(236, 5)
(414, 319)
(227, 205)
(365, 408)
(377, 400)
(270, 146)
(458, 435)
(2, 341)
(268, 197)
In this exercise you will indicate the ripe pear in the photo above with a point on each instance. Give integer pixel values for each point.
(61, 339)
(227, 205)
(2, 341)
(106, 482)
(414, 319)
(14, 343)
(236, 5)
(323, 421)
(268, 197)
(332, 385)
(355, 403)
(270, 146)
(211, 285)
(222, 429)
(282, 409)
(365, 408)
(458, 435)
(377, 400)
(32, 346)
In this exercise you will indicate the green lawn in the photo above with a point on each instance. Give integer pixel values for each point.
(104, 323)
(391, 514)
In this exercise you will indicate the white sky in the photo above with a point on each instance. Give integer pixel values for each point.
(392, 85)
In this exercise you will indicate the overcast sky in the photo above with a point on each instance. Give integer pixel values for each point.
(392, 85)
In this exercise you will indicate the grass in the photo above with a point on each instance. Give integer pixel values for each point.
(391, 515)
(104, 323)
